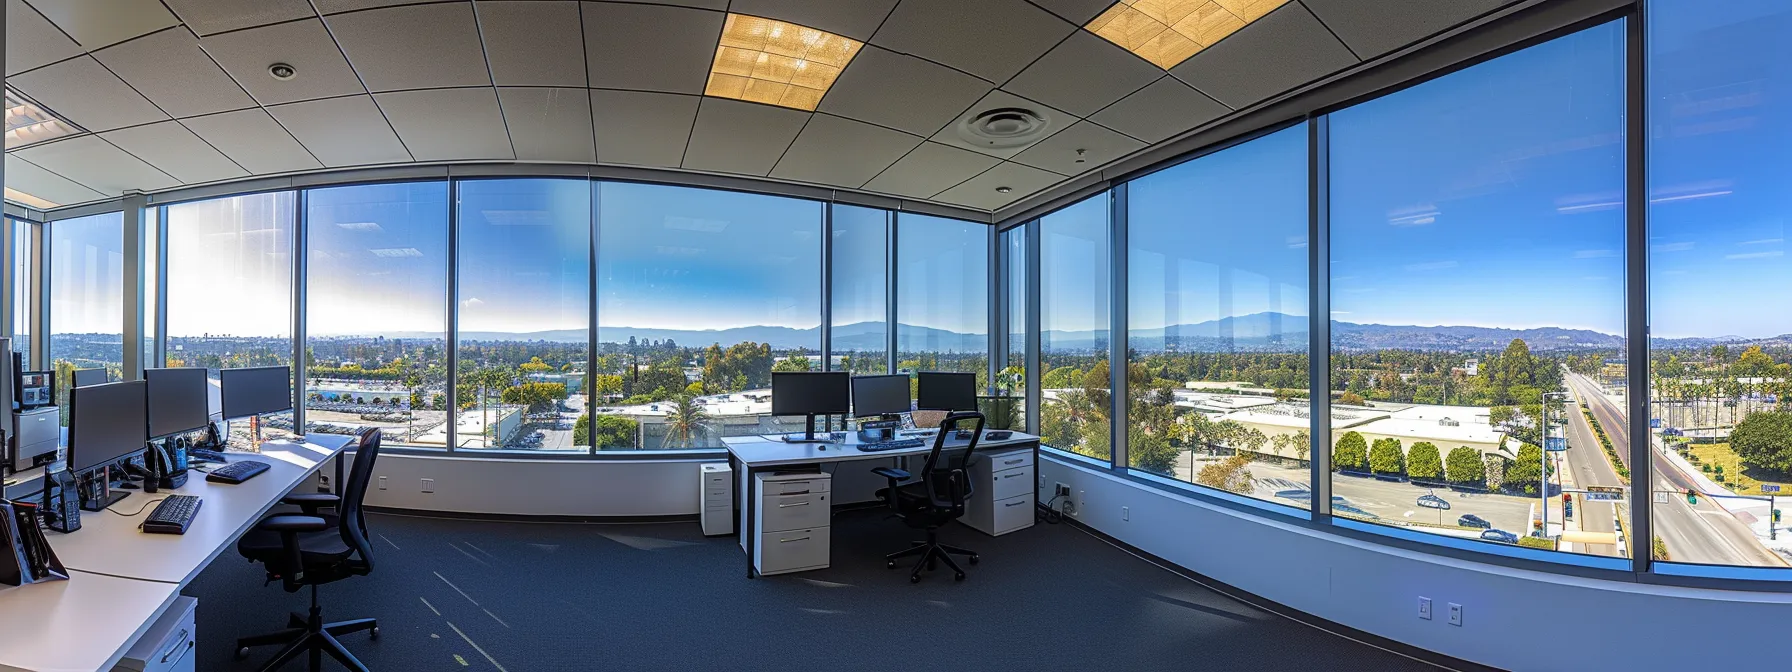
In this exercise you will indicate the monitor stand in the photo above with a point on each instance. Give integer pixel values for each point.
(808, 433)
(105, 497)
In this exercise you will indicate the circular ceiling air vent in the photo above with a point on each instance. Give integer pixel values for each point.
(1003, 127)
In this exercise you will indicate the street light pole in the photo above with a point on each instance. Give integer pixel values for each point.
(1543, 466)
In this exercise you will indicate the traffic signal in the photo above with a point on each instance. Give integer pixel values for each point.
(1692, 497)
(1776, 515)
(1566, 498)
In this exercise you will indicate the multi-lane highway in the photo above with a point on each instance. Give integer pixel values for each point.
(1588, 466)
(1703, 533)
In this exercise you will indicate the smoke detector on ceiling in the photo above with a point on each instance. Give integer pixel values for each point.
(282, 71)
(1003, 128)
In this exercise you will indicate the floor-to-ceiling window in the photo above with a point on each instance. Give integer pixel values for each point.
(376, 311)
(702, 294)
(1074, 315)
(1008, 408)
(1477, 300)
(86, 297)
(942, 296)
(861, 328)
(1720, 198)
(1217, 320)
(22, 272)
(523, 269)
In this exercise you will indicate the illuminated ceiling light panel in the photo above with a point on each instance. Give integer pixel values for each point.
(27, 124)
(1167, 32)
(762, 60)
(23, 198)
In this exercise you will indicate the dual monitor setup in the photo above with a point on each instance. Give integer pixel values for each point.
(110, 425)
(810, 394)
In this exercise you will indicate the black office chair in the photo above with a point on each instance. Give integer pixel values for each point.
(933, 500)
(310, 549)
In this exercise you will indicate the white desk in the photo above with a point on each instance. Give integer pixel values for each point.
(751, 455)
(111, 544)
(122, 579)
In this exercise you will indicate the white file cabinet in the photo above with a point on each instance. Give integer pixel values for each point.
(167, 646)
(1003, 499)
(792, 521)
(716, 498)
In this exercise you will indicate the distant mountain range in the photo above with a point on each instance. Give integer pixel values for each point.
(1262, 332)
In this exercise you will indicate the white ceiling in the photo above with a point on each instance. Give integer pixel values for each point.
(176, 92)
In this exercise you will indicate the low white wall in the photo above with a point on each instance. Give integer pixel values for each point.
(1512, 619)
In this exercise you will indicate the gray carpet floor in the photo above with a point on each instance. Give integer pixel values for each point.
(510, 597)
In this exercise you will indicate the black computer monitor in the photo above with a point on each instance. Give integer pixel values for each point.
(105, 423)
(85, 377)
(254, 391)
(179, 400)
(810, 394)
(880, 395)
(945, 391)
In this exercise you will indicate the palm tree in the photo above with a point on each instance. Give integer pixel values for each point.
(685, 422)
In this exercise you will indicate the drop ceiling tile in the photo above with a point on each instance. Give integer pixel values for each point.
(901, 92)
(32, 41)
(1059, 152)
(1375, 28)
(1055, 120)
(533, 43)
(717, 5)
(1161, 110)
(930, 169)
(413, 47)
(174, 150)
(642, 128)
(992, 39)
(84, 92)
(648, 47)
(448, 124)
(342, 131)
(215, 16)
(254, 140)
(842, 152)
(97, 165)
(1078, 12)
(337, 6)
(304, 45)
(731, 136)
(550, 124)
(1083, 74)
(28, 177)
(170, 69)
(857, 19)
(1281, 51)
(980, 191)
(98, 23)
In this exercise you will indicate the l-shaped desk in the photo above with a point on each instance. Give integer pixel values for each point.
(121, 580)
(1009, 488)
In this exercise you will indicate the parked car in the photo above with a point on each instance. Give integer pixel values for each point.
(1472, 520)
(1433, 502)
(1500, 536)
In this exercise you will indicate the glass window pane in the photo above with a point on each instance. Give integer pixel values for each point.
(861, 328)
(86, 297)
(376, 311)
(1477, 257)
(524, 288)
(703, 295)
(1074, 399)
(1008, 409)
(942, 296)
(1720, 91)
(230, 282)
(1217, 320)
(22, 270)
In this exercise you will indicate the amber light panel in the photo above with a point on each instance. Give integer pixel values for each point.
(1167, 32)
(767, 61)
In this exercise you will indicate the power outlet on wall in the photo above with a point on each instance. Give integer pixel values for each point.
(428, 485)
(382, 482)
(1455, 614)
(1125, 513)
(1425, 608)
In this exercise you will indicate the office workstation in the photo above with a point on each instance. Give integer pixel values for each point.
(989, 334)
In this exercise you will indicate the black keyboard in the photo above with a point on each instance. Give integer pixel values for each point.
(237, 472)
(890, 445)
(173, 515)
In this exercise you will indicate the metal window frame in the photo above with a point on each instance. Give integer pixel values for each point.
(1119, 419)
(1035, 359)
(300, 300)
(1319, 322)
(452, 346)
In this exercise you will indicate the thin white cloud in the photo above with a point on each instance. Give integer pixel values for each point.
(1763, 241)
(396, 252)
(1757, 255)
(360, 226)
(472, 301)
(1594, 254)
(1431, 266)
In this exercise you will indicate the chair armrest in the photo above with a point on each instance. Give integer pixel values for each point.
(289, 528)
(310, 502)
(891, 473)
(293, 524)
